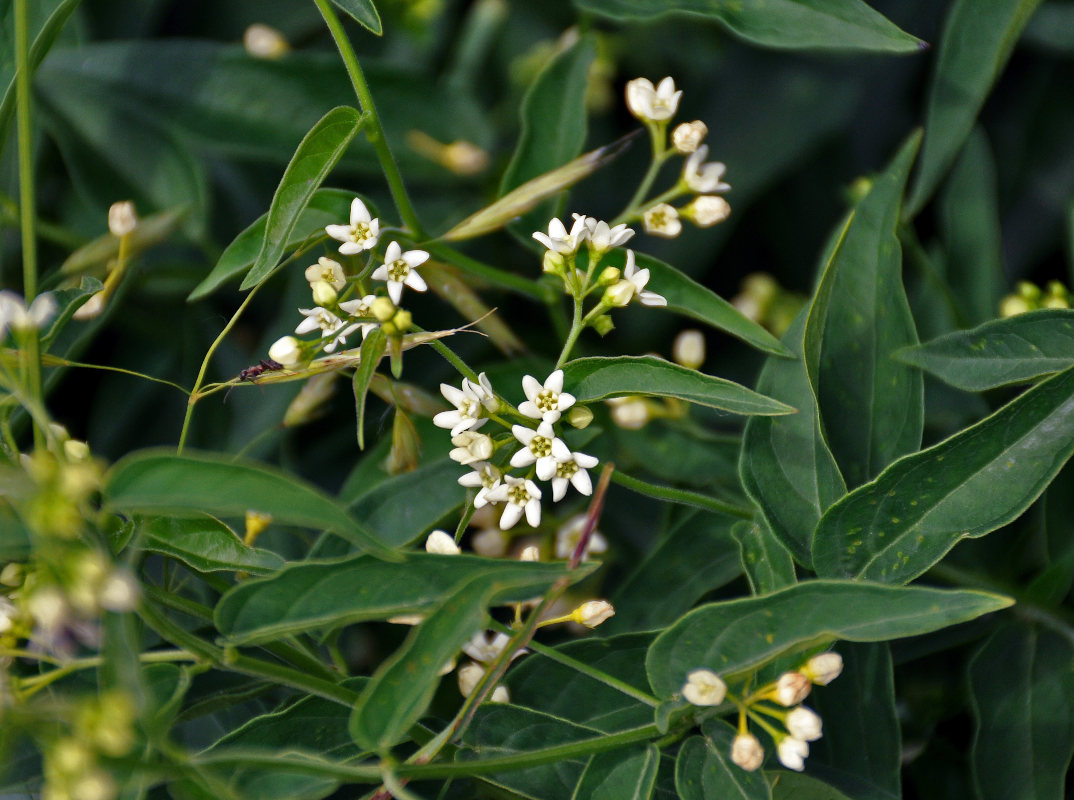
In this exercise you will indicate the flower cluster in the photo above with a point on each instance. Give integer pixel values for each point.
(1030, 297)
(780, 701)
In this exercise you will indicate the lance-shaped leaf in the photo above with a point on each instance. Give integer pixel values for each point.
(317, 153)
(372, 351)
(689, 298)
(791, 24)
(590, 379)
(1000, 352)
(95, 255)
(206, 544)
(800, 786)
(68, 301)
(327, 594)
(978, 38)
(363, 12)
(626, 774)
(767, 563)
(896, 527)
(703, 769)
(871, 406)
(154, 481)
(738, 635)
(401, 508)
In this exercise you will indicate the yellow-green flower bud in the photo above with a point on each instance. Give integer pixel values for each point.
(580, 417)
(1013, 305)
(689, 349)
(603, 324)
(323, 294)
(609, 276)
(1030, 291)
(13, 574)
(619, 294)
(76, 450)
(402, 321)
(1051, 301)
(382, 308)
(553, 262)
(286, 351)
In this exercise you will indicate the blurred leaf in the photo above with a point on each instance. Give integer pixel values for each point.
(799, 786)
(791, 24)
(151, 230)
(591, 379)
(689, 298)
(1051, 28)
(305, 596)
(206, 544)
(445, 282)
(896, 527)
(871, 407)
(734, 636)
(1001, 352)
(703, 770)
(403, 507)
(786, 466)
(373, 347)
(626, 774)
(767, 563)
(154, 481)
(315, 157)
(1021, 690)
(363, 12)
(68, 301)
(978, 38)
(14, 537)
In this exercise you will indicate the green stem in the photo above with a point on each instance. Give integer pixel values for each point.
(37, 682)
(374, 130)
(26, 158)
(32, 375)
(660, 155)
(682, 496)
(572, 336)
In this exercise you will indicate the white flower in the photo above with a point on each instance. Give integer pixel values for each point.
(13, 312)
(362, 232)
(687, 136)
(791, 689)
(570, 532)
(638, 279)
(285, 351)
(469, 401)
(662, 220)
(824, 668)
(792, 753)
(704, 178)
(573, 470)
(541, 447)
(704, 687)
(631, 413)
(485, 475)
(545, 401)
(500, 695)
(119, 591)
(328, 271)
(7, 614)
(262, 41)
(122, 218)
(331, 326)
(602, 237)
(706, 210)
(398, 270)
(558, 240)
(361, 308)
(593, 613)
(688, 349)
(486, 648)
(747, 752)
(804, 723)
(471, 447)
(521, 496)
(469, 676)
(441, 543)
(530, 553)
(654, 104)
(489, 542)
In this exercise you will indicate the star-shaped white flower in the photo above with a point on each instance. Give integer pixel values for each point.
(572, 471)
(362, 232)
(704, 687)
(331, 326)
(662, 220)
(640, 278)
(522, 497)
(399, 269)
(654, 104)
(558, 240)
(361, 308)
(485, 475)
(14, 313)
(603, 237)
(545, 401)
(541, 447)
(467, 414)
(571, 531)
(704, 178)
(328, 271)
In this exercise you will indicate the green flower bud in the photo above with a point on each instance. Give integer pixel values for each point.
(580, 417)
(383, 309)
(609, 276)
(603, 324)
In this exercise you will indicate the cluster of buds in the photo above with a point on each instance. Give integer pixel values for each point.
(57, 485)
(1030, 297)
(655, 106)
(775, 708)
(101, 727)
(763, 300)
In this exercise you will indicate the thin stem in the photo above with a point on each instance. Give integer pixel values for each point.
(682, 496)
(37, 682)
(660, 155)
(572, 335)
(32, 375)
(56, 361)
(374, 130)
(26, 158)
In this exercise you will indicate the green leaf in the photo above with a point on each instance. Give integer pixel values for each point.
(68, 301)
(767, 563)
(1001, 352)
(684, 496)
(14, 536)
(786, 466)
(154, 481)
(627, 774)
(799, 786)
(363, 12)
(978, 38)
(206, 544)
(703, 770)
(403, 507)
(151, 230)
(590, 379)
(871, 406)
(1021, 690)
(790, 24)
(327, 594)
(403, 686)
(372, 351)
(317, 153)
(688, 297)
(326, 207)
(735, 636)
(896, 527)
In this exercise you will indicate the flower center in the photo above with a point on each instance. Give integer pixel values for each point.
(466, 407)
(519, 495)
(566, 469)
(541, 446)
(489, 478)
(547, 400)
(361, 232)
(398, 270)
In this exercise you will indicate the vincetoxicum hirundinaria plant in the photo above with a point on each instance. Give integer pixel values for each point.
(270, 606)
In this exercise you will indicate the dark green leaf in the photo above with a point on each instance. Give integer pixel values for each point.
(403, 507)
(591, 379)
(363, 12)
(206, 544)
(627, 774)
(767, 563)
(68, 301)
(799, 786)
(684, 496)
(871, 406)
(734, 636)
(372, 351)
(704, 770)
(154, 481)
(1001, 352)
(317, 153)
(14, 537)
(792, 24)
(896, 527)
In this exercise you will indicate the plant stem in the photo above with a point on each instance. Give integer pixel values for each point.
(26, 157)
(682, 496)
(660, 155)
(374, 130)
(572, 335)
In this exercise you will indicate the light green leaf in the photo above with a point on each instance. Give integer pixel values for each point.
(206, 544)
(871, 406)
(327, 594)
(155, 481)
(896, 527)
(372, 351)
(363, 12)
(590, 379)
(785, 465)
(767, 563)
(735, 636)
(790, 24)
(627, 774)
(317, 153)
(703, 770)
(978, 38)
(1001, 352)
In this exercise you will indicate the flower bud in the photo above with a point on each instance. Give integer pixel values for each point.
(500, 695)
(1030, 291)
(122, 218)
(310, 401)
(580, 417)
(792, 753)
(48, 608)
(262, 41)
(441, 543)
(706, 210)
(13, 574)
(382, 308)
(531, 553)
(619, 294)
(686, 137)
(76, 450)
(256, 522)
(402, 321)
(469, 676)
(1013, 305)
(553, 262)
(593, 613)
(704, 687)
(1053, 301)
(631, 413)
(93, 784)
(489, 542)
(464, 158)
(609, 276)
(823, 668)
(791, 689)
(471, 447)
(747, 752)
(803, 723)
(603, 324)
(119, 591)
(93, 307)
(662, 220)
(323, 294)
(689, 349)
(286, 351)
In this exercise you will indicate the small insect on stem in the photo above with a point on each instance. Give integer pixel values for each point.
(256, 371)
